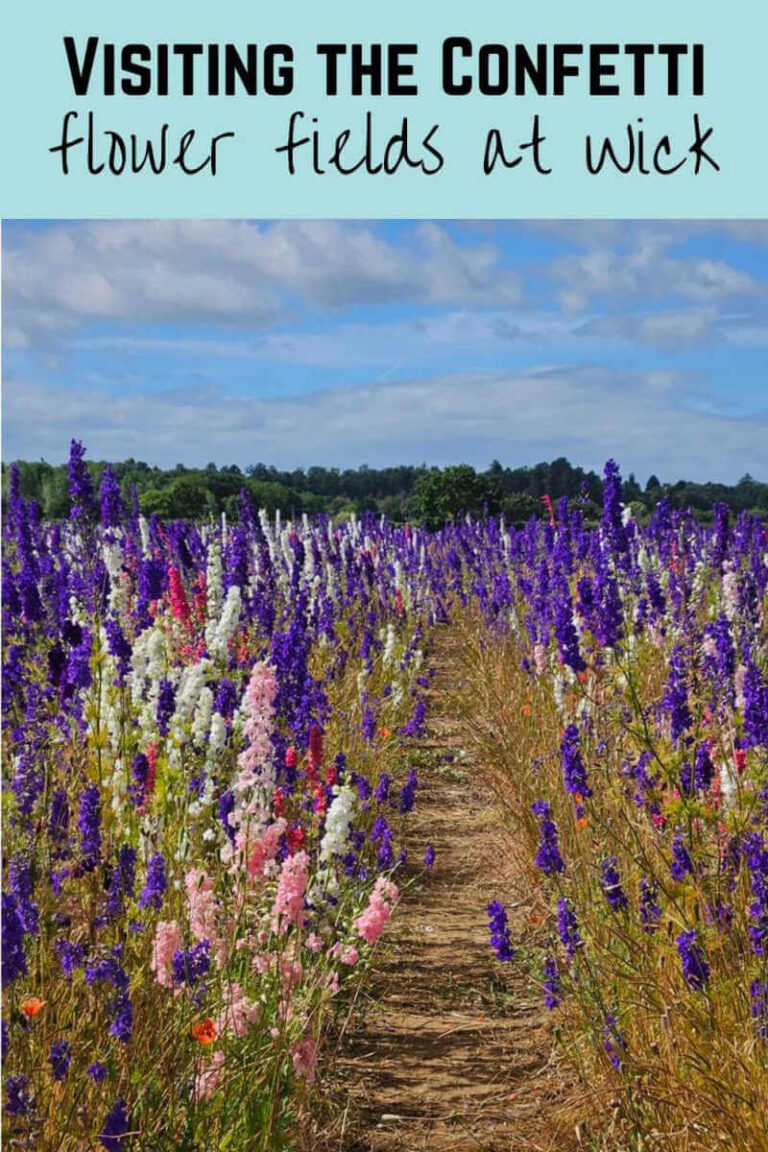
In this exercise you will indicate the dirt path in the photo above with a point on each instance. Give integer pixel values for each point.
(450, 1052)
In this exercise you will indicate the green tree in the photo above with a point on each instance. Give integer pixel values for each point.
(443, 495)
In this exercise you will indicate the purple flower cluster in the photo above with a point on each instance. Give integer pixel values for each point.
(548, 857)
(694, 967)
(499, 931)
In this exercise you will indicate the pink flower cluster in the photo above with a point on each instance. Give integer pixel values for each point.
(237, 1013)
(383, 899)
(304, 1055)
(202, 909)
(259, 700)
(289, 898)
(207, 1081)
(168, 939)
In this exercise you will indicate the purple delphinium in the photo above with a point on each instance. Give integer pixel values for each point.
(151, 895)
(650, 912)
(71, 956)
(14, 962)
(758, 994)
(551, 983)
(614, 1041)
(225, 807)
(565, 631)
(110, 499)
(89, 827)
(381, 791)
(166, 698)
(548, 857)
(695, 967)
(190, 965)
(408, 792)
(755, 693)
(226, 699)
(58, 823)
(59, 1058)
(112, 1135)
(109, 970)
(568, 927)
(121, 883)
(675, 701)
(82, 507)
(139, 772)
(17, 1097)
(574, 772)
(681, 859)
(429, 856)
(611, 884)
(499, 931)
(96, 1071)
(118, 646)
(756, 857)
(20, 884)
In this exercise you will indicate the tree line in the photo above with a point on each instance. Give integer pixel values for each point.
(429, 495)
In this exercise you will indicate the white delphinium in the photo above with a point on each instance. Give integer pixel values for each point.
(201, 722)
(144, 532)
(217, 736)
(227, 624)
(156, 653)
(388, 655)
(338, 821)
(112, 554)
(727, 784)
(117, 784)
(191, 683)
(213, 592)
(730, 592)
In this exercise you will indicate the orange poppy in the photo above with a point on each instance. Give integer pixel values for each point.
(385, 733)
(582, 822)
(32, 1005)
(526, 709)
(204, 1031)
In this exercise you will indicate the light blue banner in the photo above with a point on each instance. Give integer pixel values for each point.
(724, 126)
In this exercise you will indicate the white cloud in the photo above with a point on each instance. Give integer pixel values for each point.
(644, 271)
(642, 419)
(232, 273)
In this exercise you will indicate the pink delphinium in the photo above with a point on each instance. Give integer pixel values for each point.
(304, 1056)
(383, 898)
(179, 605)
(202, 909)
(291, 972)
(289, 898)
(168, 939)
(349, 956)
(262, 853)
(237, 1013)
(259, 701)
(207, 1081)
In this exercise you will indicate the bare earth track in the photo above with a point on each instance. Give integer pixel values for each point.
(449, 1053)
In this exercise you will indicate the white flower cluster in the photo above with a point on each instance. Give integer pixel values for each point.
(337, 823)
(225, 629)
(213, 592)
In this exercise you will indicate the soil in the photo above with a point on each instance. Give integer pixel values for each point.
(453, 1050)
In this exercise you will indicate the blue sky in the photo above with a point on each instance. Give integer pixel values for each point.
(341, 343)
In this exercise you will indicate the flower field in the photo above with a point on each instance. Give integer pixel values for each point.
(213, 739)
